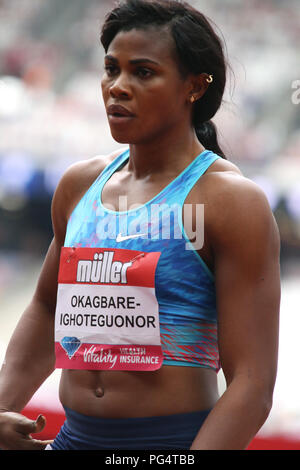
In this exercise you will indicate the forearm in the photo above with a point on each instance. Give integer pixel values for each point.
(29, 357)
(236, 418)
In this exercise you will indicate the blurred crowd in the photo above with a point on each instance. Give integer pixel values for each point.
(51, 112)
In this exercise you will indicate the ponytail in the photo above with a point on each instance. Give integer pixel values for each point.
(208, 136)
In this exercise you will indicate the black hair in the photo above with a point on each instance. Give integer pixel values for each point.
(199, 50)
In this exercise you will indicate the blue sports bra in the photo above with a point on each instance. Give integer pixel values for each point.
(184, 285)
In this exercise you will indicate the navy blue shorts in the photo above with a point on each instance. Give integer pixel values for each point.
(81, 432)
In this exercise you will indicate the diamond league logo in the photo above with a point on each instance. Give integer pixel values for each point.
(71, 344)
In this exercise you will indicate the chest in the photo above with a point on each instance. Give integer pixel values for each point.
(124, 192)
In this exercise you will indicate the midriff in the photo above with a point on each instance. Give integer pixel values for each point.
(120, 394)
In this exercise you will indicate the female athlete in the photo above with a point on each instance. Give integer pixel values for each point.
(164, 264)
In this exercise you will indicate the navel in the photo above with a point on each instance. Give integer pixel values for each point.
(99, 392)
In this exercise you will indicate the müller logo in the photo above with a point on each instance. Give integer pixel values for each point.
(103, 269)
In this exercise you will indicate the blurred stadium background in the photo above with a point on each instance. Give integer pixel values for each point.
(51, 115)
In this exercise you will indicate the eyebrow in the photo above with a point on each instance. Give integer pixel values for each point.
(142, 60)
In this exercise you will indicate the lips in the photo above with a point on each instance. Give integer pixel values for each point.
(117, 110)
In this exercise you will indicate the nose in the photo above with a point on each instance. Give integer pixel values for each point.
(120, 88)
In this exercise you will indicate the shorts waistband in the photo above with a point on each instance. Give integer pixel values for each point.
(79, 424)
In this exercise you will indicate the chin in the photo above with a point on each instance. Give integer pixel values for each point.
(131, 138)
(124, 138)
(120, 137)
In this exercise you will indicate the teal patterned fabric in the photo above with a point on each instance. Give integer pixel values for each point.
(184, 285)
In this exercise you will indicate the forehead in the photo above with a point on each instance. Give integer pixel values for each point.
(152, 43)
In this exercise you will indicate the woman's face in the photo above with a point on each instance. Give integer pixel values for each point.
(144, 94)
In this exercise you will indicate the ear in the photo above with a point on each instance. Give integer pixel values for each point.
(199, 86)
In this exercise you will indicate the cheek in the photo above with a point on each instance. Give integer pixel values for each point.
(104, 88)
(167, 93)
(164, 105)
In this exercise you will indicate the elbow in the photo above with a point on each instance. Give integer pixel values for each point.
(263, 409)
(265, 401)
(254, 395)
(263, 390)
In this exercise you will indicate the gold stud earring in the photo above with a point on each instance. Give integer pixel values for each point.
(209, 79)
(192, 99)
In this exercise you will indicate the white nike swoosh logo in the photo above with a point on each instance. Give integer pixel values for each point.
(120, 238)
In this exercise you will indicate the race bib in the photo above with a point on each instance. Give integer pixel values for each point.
(107, 315)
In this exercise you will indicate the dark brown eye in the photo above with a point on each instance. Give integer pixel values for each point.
(111, 69)
(143, 72)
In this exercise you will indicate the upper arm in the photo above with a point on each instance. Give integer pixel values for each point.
(46, 289)
(73, 184)
(245, 244)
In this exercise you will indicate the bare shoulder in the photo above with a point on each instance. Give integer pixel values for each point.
(73, 185)
(224, 186)
(235, 206)
(79, 176)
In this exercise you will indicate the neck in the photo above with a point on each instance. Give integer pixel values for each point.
(170, 155)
